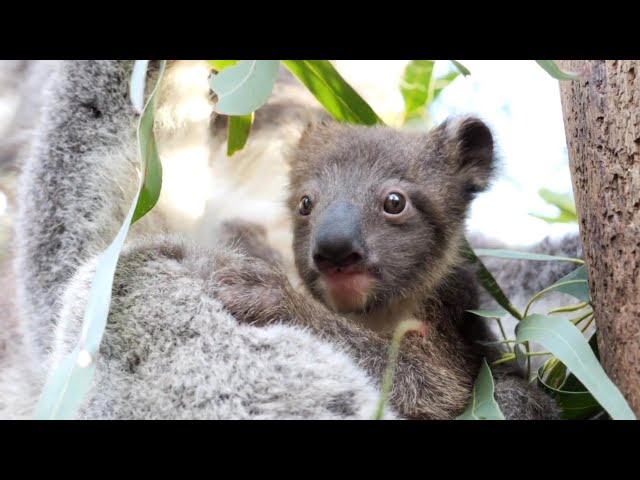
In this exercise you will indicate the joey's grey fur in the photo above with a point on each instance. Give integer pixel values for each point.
(411, 262)
(170, 349)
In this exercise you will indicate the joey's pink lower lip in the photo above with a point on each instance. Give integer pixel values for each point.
(348, 290)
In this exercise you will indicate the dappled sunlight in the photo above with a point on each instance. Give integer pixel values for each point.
(186, 182)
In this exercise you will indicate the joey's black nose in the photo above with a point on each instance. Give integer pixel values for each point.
(338, 239)
(335, 254)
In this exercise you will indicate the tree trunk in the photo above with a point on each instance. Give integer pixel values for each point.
(602, 123)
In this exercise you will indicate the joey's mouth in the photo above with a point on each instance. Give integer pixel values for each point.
(347, 288)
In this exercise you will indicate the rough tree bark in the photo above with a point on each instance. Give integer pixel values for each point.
(602, 123)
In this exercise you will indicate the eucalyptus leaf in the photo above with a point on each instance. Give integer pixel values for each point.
(516, 255)
(499, 313)
(564, 202)
(565, 341)
(552, 69)
(243, 88)
(575, 405)
(220, 65)
(488, 281)
(461, 68)
(67, 386)
(574, 283)
(238, 131)
(332, 91)
(138, 82)
(483, 405)
(563, 217)
(417, 87)
(152, 167)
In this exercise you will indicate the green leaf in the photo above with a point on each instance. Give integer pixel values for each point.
(575, 405)
(152, 167)
(220, 65)
(417, 87)
(487, 281)
(332, 91)
(68, 385)
(461, 68)
(565, 341)
(516, 255)
(564, 202)
(245, 87)
(563, 217)
(574, 284)
(238, 132)
(552, 69)
(483, 405)
(499, 313)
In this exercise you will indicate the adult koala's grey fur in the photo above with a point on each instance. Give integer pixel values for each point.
(169, 351)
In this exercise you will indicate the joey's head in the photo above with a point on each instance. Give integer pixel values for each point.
(379, 214)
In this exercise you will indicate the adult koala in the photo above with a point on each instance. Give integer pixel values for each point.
(169, 351)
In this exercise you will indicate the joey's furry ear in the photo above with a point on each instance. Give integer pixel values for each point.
(471, 152)
(315, 131)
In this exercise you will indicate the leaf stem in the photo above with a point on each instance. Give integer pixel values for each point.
(394, 350)
(586, 325)
(507, 358)
(577, 320)
(570, 308)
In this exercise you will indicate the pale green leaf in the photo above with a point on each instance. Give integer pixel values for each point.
(220, 65)
(499, 313)
(138, 82)
(552, 69)
(483, 405)
(401, 330)
(67, 386)
(243, 88)
(517, 255)
(574, 284)
(238, 132)
(461, 68)
(332, 91)
(564, 340)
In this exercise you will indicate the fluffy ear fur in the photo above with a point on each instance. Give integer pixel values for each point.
(471, 152)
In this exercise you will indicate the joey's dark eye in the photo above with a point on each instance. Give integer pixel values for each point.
(394, 203)
(305, 206)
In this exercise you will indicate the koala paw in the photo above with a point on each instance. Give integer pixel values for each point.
(253, 291)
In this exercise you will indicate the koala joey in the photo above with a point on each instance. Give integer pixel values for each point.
(378, 218)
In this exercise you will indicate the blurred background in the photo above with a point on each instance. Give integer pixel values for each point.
(521, 103)
(518, 99)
